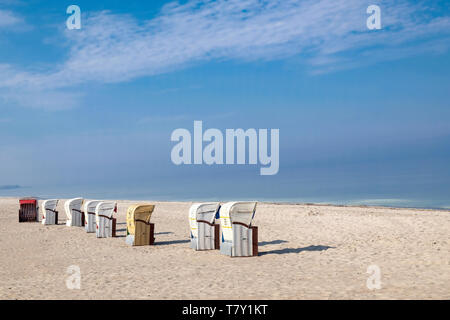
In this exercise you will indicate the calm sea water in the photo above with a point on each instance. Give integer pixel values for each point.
(155, 194)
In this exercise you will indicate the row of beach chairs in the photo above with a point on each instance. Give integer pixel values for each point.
(235, 235)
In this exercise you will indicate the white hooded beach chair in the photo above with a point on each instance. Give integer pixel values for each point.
(75, 217)
(239, 237)
(204, 233)
(89, 215)
(106, 223)
(49, 213)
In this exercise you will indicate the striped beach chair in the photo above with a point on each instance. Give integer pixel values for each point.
(89, 215)
(106, 223)
(49, 213)
(75, 217)
(239, 237)
(204, 233)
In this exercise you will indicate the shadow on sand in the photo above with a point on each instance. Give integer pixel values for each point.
(297, 250)
(157, 233)
(162, 243)
(265, 243)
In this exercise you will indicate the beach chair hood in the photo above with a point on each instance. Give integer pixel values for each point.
(202, 212)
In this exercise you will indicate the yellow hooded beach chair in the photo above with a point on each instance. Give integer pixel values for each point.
(140, 232)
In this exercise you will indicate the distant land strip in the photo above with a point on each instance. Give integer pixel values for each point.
(10, 187)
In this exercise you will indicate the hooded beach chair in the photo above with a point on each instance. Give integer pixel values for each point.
(204, 233)
(28, 210)
(75, 217)
(89, 215)
(106, 223)
(49, 213)
(140, 232)
(239, 237)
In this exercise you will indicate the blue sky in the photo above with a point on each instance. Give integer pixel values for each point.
(364, 115)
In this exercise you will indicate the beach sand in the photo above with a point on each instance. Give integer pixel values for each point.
(306, 252)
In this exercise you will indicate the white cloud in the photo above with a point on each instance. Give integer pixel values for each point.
(328, 35)
(51, 100)
(8, 18)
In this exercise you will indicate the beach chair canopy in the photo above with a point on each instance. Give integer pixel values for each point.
(28, 200)
(202, 212)
(105, 209)
(89, 206)
(49, 204)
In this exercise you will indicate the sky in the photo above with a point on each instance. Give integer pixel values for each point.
(363, 115)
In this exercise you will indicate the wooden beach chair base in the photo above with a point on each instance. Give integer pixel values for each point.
(146, 236)
(152, 234)
(255, 241)
(82, 219)
(114, 224)
(217, 237)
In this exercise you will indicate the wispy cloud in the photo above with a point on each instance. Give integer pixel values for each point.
(51, 100)
(8, 18)
(327, 35)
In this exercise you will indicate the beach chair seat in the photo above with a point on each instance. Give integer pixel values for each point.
(75, 217)
(106, 223)
(49, 213)
(28, 210)
(239, 237)
(204, 233)
(140, 232)
(90, 223)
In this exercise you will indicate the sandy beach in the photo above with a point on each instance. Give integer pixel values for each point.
(306, 252)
